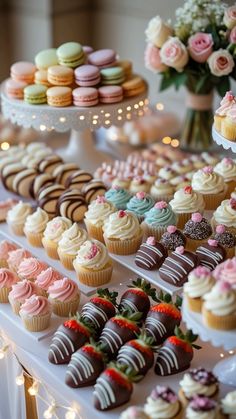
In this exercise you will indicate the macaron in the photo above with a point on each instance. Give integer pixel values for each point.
(103, 58)
(112, 75)
(60, 75)
(23, 71)
(41, 77)
(85, 96)
(87, 49)
(15, 89)
(110, 94)
(35, 94)
(134, 86)
(87, 75)
(46, 58)
(71, 54)
(59, 96)
(127, 67)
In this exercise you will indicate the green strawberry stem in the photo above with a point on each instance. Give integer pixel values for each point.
(126, 370)
(145, 286)
(166, 298)
(188, 337)
(105, 293)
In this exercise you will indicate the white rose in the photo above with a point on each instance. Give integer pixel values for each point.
(174, 54)
(221, 63)
(230, 17)
(158, 32)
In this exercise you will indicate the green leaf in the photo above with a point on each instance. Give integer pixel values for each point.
(223, 86)
(166, 82)
(200, 83)
(180, 79)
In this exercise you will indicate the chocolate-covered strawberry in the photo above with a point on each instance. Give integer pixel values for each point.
(114, 386)
(176, 353)
(136, 298)
(68, 338)
(85, 365)
(138, 354)
(118, 330)
(100, 308)
(163, 317)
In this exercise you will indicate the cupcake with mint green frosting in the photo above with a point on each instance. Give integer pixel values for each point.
(139, 204)
(157, 219)
(118, 197)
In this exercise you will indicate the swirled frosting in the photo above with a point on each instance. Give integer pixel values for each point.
(134, 412)
(99, 210)
(30, 268)
(47, 278)
(36, 305)
(122, 225)
(225, 214)
(232, 113)
(229, 405)
(226, 271)
(140, 203)
(167, 173)
(22, 290)
(118, 197)
(5, 248)
(221, 300)
(207, 181)
(227, 169)
(36, 222)
(15, 257)
(225, 104)
(187, 200)
(56, 227)
(63, 290)
(19, 213)
(7, 278)
(200, 281)
(199, 381)
(92, 255)
(202, 407)
(159, 408)
(160, 216)
(162, 187)
(72, 239)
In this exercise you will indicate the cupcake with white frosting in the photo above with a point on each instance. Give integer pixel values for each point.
(228, 405)
(53, 233)
(34, 227)
(202, 407)
(186, 201)
(210, 185)
(200, 282)
(227, 169)
(225, 105)
(198, 381)
(16, 217)
(69, 244)
(134, 412)
(162, 190)
(225, 214)
(98, 212)
(163, 403)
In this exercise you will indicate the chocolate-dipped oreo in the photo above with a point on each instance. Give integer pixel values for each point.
(48, 197)
(151, 254)
(210, 254)
(49, 163)
(78, 179)
(22, 181)
(173, 238)
(92, 189)
(63, 171)
(71, 204)
(41, 180)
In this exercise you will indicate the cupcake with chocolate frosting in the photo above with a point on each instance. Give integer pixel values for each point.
(202, 407)
(163, 403)
(198, 381)
(197, 230)
(226, 239)
(173, 238)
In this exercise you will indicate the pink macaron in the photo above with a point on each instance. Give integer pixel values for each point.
(87, 49)
(110, 94)
(102, 58)
(87, 75)
(85, 96)
(15, 89)
(23, 71)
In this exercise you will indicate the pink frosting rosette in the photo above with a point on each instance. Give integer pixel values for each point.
(226, 271)
(23, 290)
(15, 257)
(30, 268)
(7, 278)
(63, 290)
(5, 248)
(36, 305)
(47, 278)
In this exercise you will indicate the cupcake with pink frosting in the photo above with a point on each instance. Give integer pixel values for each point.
(20, 292)
(5, 248)
(197, 230)
(7, 280)
(226, 271)
(30, 268)
(36, 313)
(47, 278)
(225, 105)
(226, 239)
(64, 297)
(15, 257)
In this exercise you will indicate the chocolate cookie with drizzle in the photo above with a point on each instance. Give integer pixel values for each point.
(71, 204)
(151, 254)
(211, 253)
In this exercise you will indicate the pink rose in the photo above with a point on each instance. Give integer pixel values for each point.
(208, 170)
(174, 54)
(151, 241)
(200, 46)
(180, 250)
(220, 229)
(230, 17)
(141, 195)
(160, 205)
(232, 36)
(152, 59)
(196, 217)
(171, 229)
(213, 243)
(221, 63)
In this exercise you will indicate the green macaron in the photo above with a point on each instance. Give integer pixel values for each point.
(71, 54)
(112, 75)
(35, 94)
(46, 58)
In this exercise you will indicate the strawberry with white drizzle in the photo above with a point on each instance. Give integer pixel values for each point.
(136, 298)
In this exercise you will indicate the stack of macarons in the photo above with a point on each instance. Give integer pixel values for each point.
(73, 74)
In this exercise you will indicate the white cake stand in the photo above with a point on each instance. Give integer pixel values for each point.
(222, 141)
(225, 370)
(80, 121)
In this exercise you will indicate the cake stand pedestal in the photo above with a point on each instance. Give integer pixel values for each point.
(222, 141)
(225, 370)
(79, 121)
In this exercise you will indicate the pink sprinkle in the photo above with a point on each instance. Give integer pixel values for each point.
(140, 195)
(220, 229)
(213, 243)
(171, 229)
(139, 179)
(208, 170)
(229, 95)
(224, 286)
(232, 203)
(101, 199)
(201, 270)
(151, 240)
(121, 214)
(93, 251)
(180, 250)
(188, 190)
(161, 205)
(227, 161)
(116, 187)
(196, 217)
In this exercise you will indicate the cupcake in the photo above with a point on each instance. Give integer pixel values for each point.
(122, 233)
(52, 235)
(5, 206)
(121, 181)
(30, 268)
(69, 244)
(225, 214)
(35, 225)
(162, 190)
(210, 158)
(20, 292)
(226, 271)
(118, 197)
(15, 257)
(185, 203)
(98, 211)
(134, 412)
(228, 405)
(180, 182)
(167, 173)
(140, 204)
(202, 407)
(227, 169)
(5, 248)
(197, 230)
(46, 278)
(226, 239)
(197, 161)
(36, 313)
(64, 297)
(182, 167)
(173, 238)
(210, 185)
(92, 264)
(139, 184)
(16, 217)
(219, 307)
(228, 125)
(196, 382)
(163, 403)
(220, 113)
(7, 280)
(200, 281)
(157, 219)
